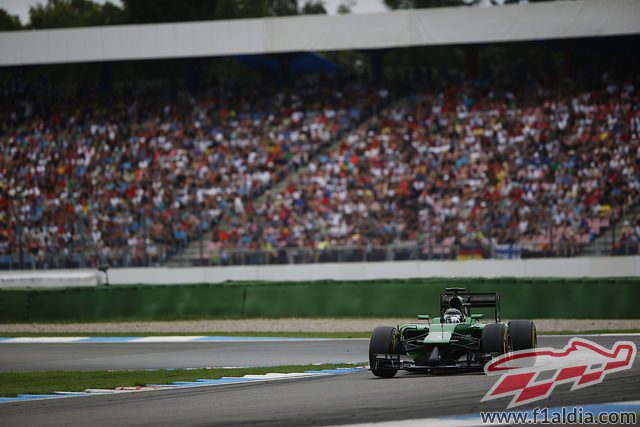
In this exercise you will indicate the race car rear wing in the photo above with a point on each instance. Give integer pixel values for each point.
(453, 297)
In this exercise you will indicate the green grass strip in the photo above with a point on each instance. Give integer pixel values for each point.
(46, 382)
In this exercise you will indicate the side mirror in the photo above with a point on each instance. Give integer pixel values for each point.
(424, 317)
(477, 316)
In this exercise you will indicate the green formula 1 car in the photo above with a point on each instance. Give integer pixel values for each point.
(456, 340)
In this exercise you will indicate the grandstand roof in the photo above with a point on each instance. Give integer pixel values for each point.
(440, 26)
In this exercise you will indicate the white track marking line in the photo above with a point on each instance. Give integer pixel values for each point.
(166, 339)
(42, 340)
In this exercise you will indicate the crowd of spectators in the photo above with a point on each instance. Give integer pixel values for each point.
(468, 165)
(628, 242)
(140, 174)
(133, 178)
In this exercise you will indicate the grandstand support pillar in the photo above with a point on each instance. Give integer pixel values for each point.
(376, 61)
(201, 247)
(284, 62)
(550, 233)
(612, 249)
(569, 56)
(195, 67)
(471, 60)
(20, 247)
(106, 76)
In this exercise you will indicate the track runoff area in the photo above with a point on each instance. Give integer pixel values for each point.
(350, 396)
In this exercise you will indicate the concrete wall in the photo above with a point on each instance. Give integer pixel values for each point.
(553, 267)
(628, 266)
(50, 278)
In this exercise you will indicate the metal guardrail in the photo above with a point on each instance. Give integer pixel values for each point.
(156, 255)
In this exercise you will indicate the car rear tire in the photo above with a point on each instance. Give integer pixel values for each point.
(384, 340)
(495, 339)
(523, 335)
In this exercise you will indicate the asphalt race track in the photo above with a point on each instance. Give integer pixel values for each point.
(98, 356)
(341, 399)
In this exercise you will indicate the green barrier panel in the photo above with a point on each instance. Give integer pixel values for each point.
(521, 298)
(121, 303)
(14, 306)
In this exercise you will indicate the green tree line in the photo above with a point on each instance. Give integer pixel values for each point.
(83, 13)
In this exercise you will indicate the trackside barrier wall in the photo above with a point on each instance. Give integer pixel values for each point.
(50, 278)
(521, 298)
(622, 266)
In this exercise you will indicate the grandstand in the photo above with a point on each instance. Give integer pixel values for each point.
(448, 146)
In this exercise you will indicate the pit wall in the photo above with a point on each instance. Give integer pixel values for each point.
(601, 298)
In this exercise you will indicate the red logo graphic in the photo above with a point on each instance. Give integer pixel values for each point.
(582, 363)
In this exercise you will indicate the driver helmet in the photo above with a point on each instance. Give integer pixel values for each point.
(453, 315)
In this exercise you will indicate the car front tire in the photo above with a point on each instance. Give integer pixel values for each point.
(384, 340)
(523, 335)
(495, 339)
